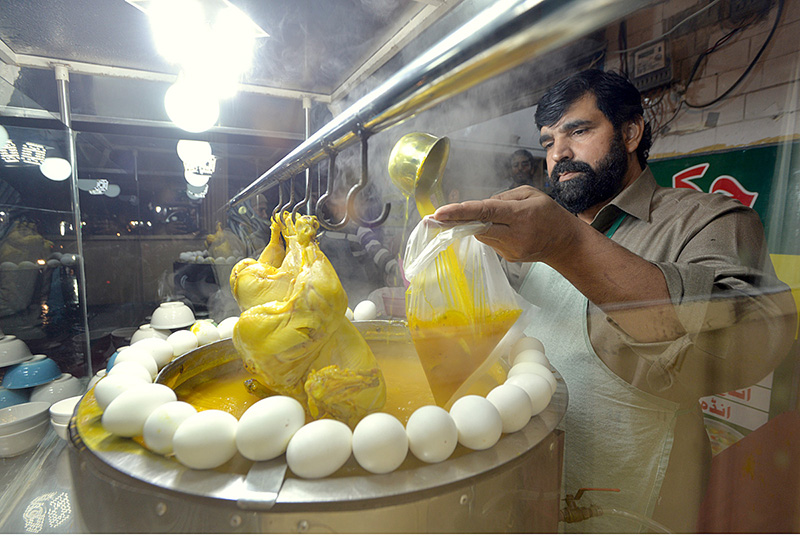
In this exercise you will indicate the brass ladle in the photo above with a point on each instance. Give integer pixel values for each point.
(416, 166)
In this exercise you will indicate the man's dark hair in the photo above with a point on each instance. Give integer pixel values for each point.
(617, 98)
(523, 152)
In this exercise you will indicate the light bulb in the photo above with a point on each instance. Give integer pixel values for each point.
(113, 190)
(194, 153)
(56, 169)
(195, 179)
(190, 107)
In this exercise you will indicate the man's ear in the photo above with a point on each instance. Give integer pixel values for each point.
(632, 132)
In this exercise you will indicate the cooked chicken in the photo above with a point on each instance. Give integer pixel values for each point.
(24, 243)
(223, 243)
(293, 334)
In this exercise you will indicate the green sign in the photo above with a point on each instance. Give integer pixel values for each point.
(765, 178)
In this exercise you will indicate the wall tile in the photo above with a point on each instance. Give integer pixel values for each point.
(729, 110)
(702, 90)
(770, 102)
(674, 7)
(729, 56)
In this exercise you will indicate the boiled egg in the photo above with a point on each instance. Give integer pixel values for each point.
(264, 430)
(525, 343)
(182, 341)
(130, 368)
(205, 331)
(159, 427)
(319, 448)
(380, 443)
(478, 422)
(112, 385)
(432, 434)
(158, 348)
(538, 390)
(513, 404)
(531, 356)
(535, 368)
(137, 355)
(126, 414)
(365, 310)
(226, 327)
(205, 440)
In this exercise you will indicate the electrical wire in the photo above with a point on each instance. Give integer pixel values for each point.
(749, 67)
(665, 34)
(712, 49)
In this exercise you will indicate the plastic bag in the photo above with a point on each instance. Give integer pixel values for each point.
(459, 304)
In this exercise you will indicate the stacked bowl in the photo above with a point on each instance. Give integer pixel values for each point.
(13, 351)
(22, 427)
(60, 414)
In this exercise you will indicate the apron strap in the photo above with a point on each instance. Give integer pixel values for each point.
(615, 225)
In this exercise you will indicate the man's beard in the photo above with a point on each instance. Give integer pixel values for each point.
(591, 186)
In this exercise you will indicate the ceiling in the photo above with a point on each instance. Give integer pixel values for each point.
(320, 56)
(317, 50)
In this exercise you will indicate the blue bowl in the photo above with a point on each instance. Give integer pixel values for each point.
(12, 397)
(38, 370)
(112, 359)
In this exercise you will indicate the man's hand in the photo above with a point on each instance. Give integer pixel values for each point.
(527, 225)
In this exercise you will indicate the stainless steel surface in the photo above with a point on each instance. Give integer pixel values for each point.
(501, 37)
(525, 466)
(36, 491)
(263, 481)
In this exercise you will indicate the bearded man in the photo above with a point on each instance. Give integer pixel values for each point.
(648, 298)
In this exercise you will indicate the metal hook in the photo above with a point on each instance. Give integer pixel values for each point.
(307, 197)
(280, 202)
(362, 183)
(323, 199)
(290, 202)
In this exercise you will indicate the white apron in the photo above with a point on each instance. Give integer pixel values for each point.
(616, 436)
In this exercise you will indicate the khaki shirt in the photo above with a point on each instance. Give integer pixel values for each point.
(739, 319)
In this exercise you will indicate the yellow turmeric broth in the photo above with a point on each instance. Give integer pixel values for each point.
(453, 339)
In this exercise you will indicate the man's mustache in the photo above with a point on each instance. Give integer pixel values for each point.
(569, 166)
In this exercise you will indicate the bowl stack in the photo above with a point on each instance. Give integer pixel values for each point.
(13, 351)
(22, 427)
(60, 414)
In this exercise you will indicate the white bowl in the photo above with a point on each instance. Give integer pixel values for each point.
(62, 387)
(172, 315)
(17, 443)
(96, 378)
(61, 429)
(61, 412)
(22, 416)
(13, 351)
(146, 331)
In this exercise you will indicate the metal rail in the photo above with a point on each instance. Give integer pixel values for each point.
(501, 37)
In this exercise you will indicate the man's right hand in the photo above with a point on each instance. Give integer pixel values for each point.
(527, 225)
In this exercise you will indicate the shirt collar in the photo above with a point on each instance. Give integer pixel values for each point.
(634, 200)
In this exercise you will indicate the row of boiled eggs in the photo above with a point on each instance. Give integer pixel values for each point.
(202, 257)
(133, 406)
(55, 260)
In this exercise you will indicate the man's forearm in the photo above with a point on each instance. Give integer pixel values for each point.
(629, 289)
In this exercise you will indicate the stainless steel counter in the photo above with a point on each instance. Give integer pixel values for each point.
(37, 491)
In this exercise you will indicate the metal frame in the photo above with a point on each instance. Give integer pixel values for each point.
(503, 36)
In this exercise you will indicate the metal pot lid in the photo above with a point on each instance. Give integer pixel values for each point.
(349, 488)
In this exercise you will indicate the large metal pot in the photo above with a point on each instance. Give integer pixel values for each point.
(512, 487)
